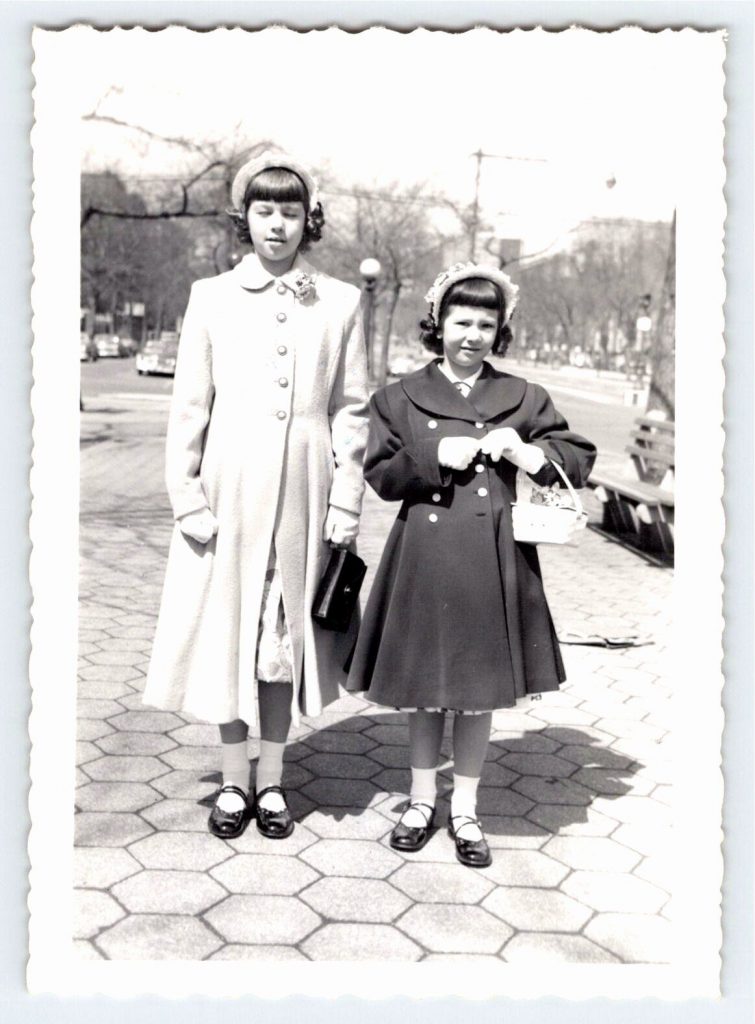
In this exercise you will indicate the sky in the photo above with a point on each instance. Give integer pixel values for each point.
(562, 114)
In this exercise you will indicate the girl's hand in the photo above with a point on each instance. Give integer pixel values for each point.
(506, 442)
(457, 452)
(200, 526)
(341, 527)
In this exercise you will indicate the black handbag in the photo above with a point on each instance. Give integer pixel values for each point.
(338, 591)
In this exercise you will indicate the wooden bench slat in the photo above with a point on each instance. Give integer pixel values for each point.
(634, 489)
(650, 455)
(666, 425)
(652, 441)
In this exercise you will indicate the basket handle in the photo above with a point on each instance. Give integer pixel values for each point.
(573, 494)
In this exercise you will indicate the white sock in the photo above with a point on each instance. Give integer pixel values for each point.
(423, 791)
(270, 773)
(464, 801)
(235, 761)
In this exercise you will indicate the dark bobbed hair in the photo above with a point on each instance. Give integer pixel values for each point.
(470, 291)
(279, 185)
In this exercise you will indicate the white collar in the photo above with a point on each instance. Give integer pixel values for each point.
(448, 372)
(251, 274)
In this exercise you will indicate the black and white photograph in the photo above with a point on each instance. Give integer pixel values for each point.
(366, 630)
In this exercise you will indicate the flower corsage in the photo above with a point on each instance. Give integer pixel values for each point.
(305, 287)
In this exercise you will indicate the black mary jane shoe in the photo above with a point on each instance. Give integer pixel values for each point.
(473, 853)
(229, 824)
(273, 824)
(410, 838)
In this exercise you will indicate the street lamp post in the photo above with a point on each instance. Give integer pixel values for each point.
(370, 270)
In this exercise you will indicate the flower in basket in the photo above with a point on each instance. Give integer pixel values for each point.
(305, 287)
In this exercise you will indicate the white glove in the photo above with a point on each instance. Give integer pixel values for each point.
(341, 527)
(200, 525)
(457, 452)
(506, 442)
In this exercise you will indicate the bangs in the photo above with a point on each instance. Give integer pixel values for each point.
(475, 291)
(279, 185)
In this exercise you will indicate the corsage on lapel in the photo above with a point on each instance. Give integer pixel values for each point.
(304, 287)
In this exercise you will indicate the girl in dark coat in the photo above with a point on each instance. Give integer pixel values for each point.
(457, 619)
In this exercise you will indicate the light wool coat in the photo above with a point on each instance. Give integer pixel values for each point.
(267, 427)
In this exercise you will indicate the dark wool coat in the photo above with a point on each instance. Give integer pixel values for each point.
(457, 616)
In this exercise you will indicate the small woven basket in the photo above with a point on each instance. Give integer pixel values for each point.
(539, 516)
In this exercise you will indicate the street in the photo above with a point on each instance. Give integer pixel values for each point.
(574, 796)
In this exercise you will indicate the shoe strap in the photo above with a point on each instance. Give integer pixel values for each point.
(467, 821)
(417, 804)
(271, 789)
(229, 788)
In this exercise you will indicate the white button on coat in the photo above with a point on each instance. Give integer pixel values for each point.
(281, 289)
(432, 424)
(436, 496)
(282, 350)
(482, 491)
(281, 318)
(479, 468)
(433, 518)
(479, 425)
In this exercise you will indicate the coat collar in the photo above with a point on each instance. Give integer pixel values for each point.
(494, 393)
(251, 274)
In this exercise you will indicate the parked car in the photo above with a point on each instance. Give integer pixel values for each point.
(127, 346)
(107, 346)
(87, 348)
(158, 357)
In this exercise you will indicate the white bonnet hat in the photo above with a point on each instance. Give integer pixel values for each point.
(272, 158)
(461, 271)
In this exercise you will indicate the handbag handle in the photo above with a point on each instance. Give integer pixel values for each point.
(573, 494)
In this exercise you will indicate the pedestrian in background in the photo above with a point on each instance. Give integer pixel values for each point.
(264, 453)
(457, 619)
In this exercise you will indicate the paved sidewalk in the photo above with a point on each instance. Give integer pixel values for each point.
(574, 796)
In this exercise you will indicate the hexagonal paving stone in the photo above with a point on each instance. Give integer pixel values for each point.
(87, 708)
(96, 689)
(334, 742)
(110, 673)
(553, 791)
(281, 920)
(93, 911)
(158, 937)
(253, 842)
(491, 800)
(84, 950)
(536, 910)
(138, 743)
(340, 766)
(116, 796)
(194, 759)
(342, 793)
(99, 869)
(572, 820)
(196, 735)
(391, 757)
(441, 883)
(514, 833)
(660, 871)
(181, 851)
(96, 828)
(92, 729)
(177, 816)
(516, 721)
(360, 942)
(595, 757)
(633, 938)
(168, 892)
(86, 752)
(264, 875)
(554, 948)
(355, 899)
(238, 952)
(125, 644)
(444, 928)
(605, 890)
(611, 782)
(389, 735)
(525, 867)
(147, 721)
(549, 765)
(143, 632)
(561, 716)
(351, 857)
(188, 785)
(591, 853)
(527, 743)
(336, 823)
(114, 768)
(634, 810)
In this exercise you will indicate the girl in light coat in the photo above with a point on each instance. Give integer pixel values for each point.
(265, 442)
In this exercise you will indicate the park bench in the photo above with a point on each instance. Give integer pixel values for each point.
(642, 508)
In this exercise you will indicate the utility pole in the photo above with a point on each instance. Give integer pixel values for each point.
(479, 157)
